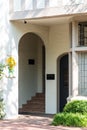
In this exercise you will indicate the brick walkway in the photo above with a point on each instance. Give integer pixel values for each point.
(31, 122)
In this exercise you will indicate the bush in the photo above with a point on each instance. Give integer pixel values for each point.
(70, 119)
(76, 106)
(2, 113)
(74, 114)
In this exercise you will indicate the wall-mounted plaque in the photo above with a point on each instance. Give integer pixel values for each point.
(50, 76)
(31, 61)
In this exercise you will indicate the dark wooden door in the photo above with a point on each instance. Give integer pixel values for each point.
(64, 82)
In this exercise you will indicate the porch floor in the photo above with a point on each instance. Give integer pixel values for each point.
(33, 122)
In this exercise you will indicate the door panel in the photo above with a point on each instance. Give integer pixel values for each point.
(63, 81)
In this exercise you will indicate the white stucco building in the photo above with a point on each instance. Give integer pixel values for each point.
(48, 39)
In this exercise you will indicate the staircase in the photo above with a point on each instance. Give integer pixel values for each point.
(35, 105)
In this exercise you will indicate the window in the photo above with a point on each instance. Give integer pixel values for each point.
(82, 34)
(28, 4)
(72, 2)
(40, 4)
(53, 3)
(17, 5)
(78, 1)
(82, 65)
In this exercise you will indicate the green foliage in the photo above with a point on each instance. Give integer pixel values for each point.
(70, 119)
(74, 114)
(2, 113)
(2, 66)
(77, 106)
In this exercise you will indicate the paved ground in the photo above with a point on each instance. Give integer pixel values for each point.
(31, 122)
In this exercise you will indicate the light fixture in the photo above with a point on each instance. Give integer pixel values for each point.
(25, 22)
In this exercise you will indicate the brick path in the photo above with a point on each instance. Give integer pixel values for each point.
(31, 122)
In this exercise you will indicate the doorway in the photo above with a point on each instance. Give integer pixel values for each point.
(31, 67)
(64, 81)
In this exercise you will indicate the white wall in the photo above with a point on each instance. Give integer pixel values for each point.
(8, 47)
(17, 30)
(10, 34)
(56, 40)
(59, 43)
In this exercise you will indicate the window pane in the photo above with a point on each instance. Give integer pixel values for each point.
(79, 1)
(72, 2)
(66, 2)
(40, 3)
(82, 64)
(17, 5)
(28, 4)
(82, 28)
(53, 3)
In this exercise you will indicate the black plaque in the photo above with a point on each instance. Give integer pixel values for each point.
(50, 76)
(31, 61)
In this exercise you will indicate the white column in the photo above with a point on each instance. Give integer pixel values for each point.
(46, 3)
(74, 61)
(23, 5)
(35, 4)
(11, 6)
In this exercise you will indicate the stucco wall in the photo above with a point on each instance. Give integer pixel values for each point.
(18, 29)
(56, 40)
(46, 8)
(10, 35)
(59, 43)
(58, 37)
(8, 47)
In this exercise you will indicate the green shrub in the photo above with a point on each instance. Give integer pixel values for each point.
(74, 114)
(70, 119)
(2, 112)
(76, 106)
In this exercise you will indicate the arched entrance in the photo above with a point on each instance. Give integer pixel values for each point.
(31, 68)
(63, 81)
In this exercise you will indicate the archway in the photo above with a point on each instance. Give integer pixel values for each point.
(63, 75)
(31, 67)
